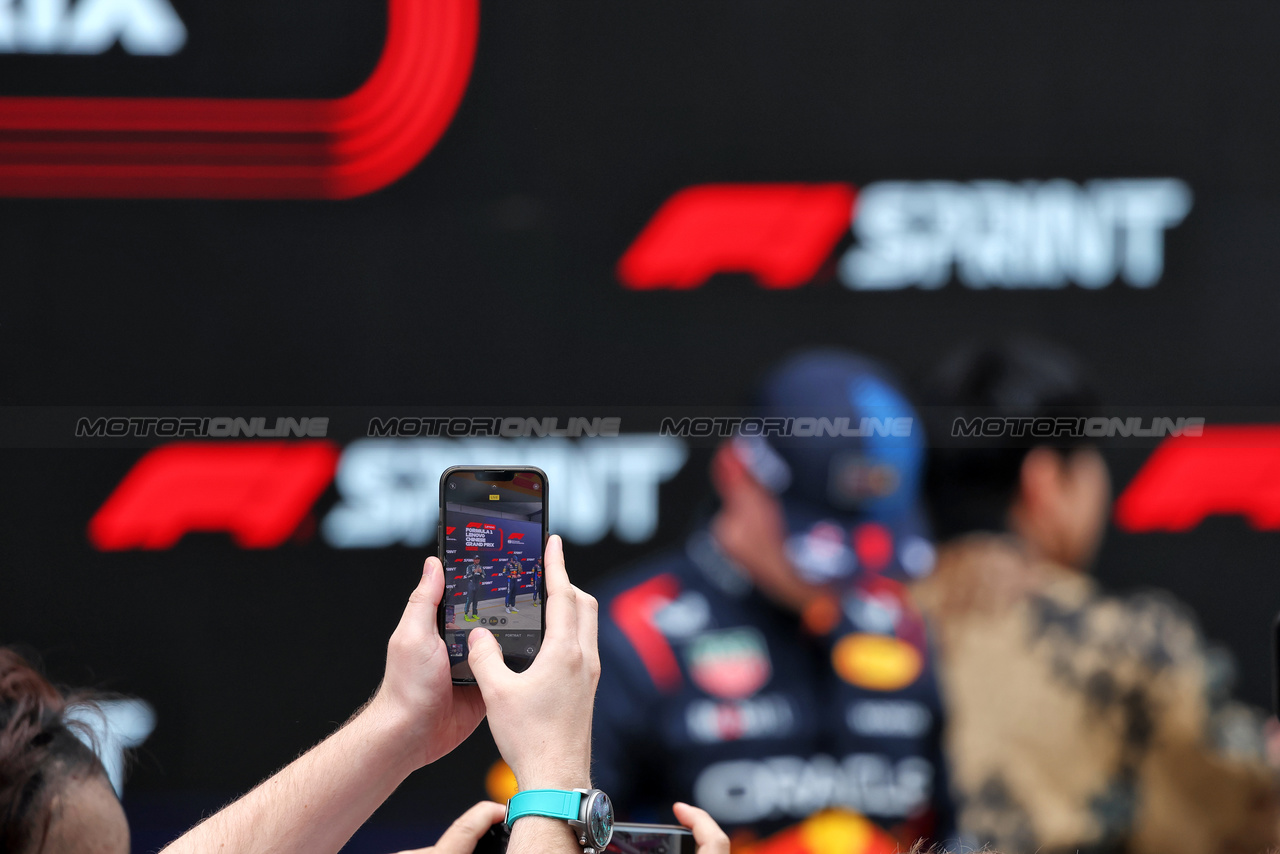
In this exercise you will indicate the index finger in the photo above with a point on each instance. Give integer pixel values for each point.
(555, 575)
(562, 610)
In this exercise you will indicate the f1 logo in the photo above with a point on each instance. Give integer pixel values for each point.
(258, 492)
(1231, 469)
(248, 148)
(781, 233)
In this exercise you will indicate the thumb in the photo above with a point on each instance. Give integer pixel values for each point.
(485, 658)
(710, 838)
(465, 832)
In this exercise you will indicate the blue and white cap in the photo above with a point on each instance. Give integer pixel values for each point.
(846, 458)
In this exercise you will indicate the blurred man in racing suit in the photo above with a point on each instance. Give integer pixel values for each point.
(1077, 721)
(772, 671)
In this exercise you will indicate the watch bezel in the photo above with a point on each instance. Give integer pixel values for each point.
(589, 799)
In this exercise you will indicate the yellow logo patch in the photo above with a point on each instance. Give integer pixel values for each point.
(877, 662)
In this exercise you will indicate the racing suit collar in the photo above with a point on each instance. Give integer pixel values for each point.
(727, 576)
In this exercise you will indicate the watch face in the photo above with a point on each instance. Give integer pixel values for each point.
(600, 819)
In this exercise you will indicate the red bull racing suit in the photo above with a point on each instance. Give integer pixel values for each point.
(713, 695)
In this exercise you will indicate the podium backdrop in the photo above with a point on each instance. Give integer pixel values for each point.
(348, 210)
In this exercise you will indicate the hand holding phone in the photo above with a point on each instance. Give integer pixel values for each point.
(555, 695)
(417, 691)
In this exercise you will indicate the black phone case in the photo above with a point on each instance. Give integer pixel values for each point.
(1275, 667)
(546, 504)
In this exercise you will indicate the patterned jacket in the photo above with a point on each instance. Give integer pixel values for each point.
(1084, 722)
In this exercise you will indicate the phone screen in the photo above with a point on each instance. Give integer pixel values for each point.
(651, 839)
(492, 534)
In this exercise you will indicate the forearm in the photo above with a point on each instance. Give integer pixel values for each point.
(317, 802)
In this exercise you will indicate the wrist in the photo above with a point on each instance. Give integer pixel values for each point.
(388, 732)
(535, 833)
(564, 778)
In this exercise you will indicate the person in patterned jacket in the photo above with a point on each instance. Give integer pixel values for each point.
(1078, 721)
(772, 671)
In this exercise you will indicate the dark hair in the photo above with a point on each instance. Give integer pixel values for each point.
(972, 481)
(39, 751)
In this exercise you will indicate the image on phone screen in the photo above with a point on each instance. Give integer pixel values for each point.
(493, 527)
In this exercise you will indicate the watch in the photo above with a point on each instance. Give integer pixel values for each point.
(588, 811)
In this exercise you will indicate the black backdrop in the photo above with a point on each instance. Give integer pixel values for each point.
(579, 120)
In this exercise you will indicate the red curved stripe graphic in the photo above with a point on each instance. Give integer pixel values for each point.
(252, 148)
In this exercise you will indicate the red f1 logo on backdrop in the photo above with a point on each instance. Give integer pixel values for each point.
(780, 233)
(229, 148)
(985, 234)
(259, 492)
(1227, 470)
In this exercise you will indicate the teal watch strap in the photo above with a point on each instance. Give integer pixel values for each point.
(552, 803)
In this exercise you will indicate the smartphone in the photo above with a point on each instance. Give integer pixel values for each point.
(491, 539)
(1275, 667)
(627, 839)
(651, 839)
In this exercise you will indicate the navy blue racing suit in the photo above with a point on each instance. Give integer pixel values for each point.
(512, 571)
(472, 576)
(711, 694)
